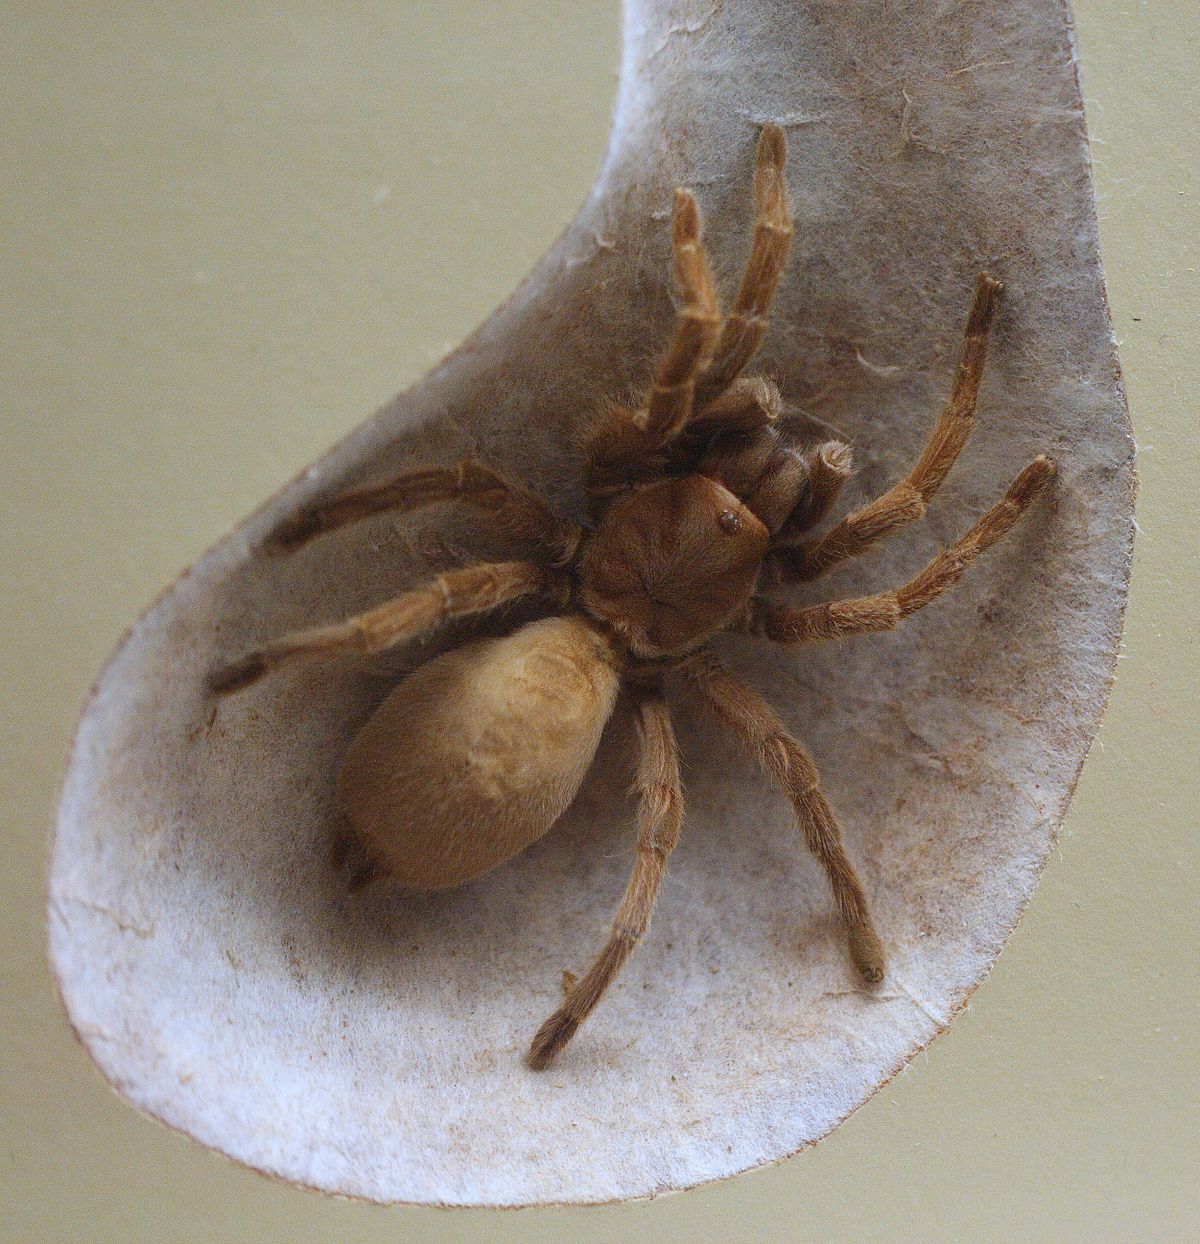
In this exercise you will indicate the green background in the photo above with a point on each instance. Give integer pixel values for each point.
(229, 231)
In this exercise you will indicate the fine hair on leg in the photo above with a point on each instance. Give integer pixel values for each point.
(860, 615)
(760, 731)
(907, 501)
(660, 823)
(746, 323)
(515, 510)
(708, 354)
(471, 590)
(625, 440)
(669, 401)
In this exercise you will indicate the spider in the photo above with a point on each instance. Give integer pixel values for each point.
(698, 503)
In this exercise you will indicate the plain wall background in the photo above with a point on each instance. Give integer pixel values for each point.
(230, 230)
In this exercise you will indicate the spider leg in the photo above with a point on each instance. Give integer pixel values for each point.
(746, 324)
(513, 509)
(471, 590)
(762, 733)
(624, 438)
(692, 385)
(840, 619)
(669, 401)
(660, 816)
(907, 501)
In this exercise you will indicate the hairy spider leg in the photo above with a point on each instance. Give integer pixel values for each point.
(624, 439)
(669, 401)
(907, 501)
(746, 324)
(840, 619)
(698, 391)
(660, 823)
(761, 732)
(515, 510)
(471, 590)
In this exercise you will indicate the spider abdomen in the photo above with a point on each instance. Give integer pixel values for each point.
(477, 753)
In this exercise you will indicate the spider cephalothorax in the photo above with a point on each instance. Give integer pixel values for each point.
(698, 503)
(671, 563)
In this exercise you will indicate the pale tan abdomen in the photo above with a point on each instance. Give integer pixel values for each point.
(476, 754)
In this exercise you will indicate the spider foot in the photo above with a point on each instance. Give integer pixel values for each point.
(867, 952)
(551, 1038)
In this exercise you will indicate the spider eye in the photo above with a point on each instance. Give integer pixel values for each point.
(730, 523)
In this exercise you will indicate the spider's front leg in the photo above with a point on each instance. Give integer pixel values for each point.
(860, 615)
(627, 442)
(698, 390)
(746, 324)
(906, 501)
(514, 510)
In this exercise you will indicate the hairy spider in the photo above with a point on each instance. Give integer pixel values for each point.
(696, 498)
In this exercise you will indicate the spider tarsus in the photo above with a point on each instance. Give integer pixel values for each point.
(237, 675)
(1033, 480)
(983, 308)
(866, 950)
(550, 1040)
(687, 217)
(772, 145)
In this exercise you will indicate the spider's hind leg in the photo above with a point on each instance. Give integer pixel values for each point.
(762, 733)
(660, 822)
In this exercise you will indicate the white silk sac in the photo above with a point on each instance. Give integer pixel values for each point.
(210, 958)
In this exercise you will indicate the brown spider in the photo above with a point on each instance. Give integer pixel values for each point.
(694, 497)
